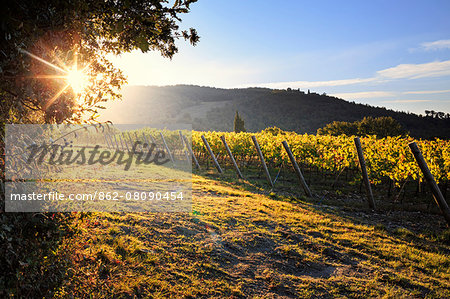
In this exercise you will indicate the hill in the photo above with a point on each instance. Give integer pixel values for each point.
(210, 108)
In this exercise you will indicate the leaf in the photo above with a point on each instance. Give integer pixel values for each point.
(142, 43)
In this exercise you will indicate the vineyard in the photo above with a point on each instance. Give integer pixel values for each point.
(389, 160)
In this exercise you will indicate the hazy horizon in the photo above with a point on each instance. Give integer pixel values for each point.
(380, 105)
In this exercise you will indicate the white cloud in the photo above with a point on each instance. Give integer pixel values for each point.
(385, 94)
(364, 95)
(407, 101)
(427, 91)
(416, 71)
(437, 45)
(309, 84)
(401, 71)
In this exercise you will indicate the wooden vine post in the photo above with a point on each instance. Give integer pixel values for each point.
(111, 142)
(146, 141)
(231, 157)
(263, 162)
(107, 142)
(182, 144)
(122, 143)
(297, 169)
(136, 137)
(149, 145)
(131, 140)
(167, 148)
(437, 194)
(212, 154)
(362, 163)
(117, 144)
(154, 141)
(191, 152)
(126, 142)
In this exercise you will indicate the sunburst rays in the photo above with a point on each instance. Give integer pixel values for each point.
(74, 77)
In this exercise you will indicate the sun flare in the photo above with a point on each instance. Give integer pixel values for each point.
(77, 79)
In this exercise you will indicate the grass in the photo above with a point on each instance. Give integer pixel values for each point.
(243, 240)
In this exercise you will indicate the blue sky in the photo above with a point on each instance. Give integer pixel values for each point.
(394, 54)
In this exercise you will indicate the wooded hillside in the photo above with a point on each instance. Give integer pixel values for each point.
(214, 109)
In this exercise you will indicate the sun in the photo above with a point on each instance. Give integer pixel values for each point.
(77, 79)
(74, 77)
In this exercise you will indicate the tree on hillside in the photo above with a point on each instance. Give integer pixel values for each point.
(438, 114)
(274, 131)
(337, 128)
(44, 44)
(380, 126)
(239, 124)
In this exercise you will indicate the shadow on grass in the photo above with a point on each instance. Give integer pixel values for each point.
(31, 258)
(344, 199)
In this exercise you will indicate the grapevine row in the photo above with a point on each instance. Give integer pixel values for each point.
(387, 158)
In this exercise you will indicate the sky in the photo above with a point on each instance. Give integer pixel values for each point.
(393, 54)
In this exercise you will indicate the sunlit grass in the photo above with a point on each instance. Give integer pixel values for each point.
(241, 241)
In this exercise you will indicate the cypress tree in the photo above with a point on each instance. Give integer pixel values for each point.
(238, 123)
